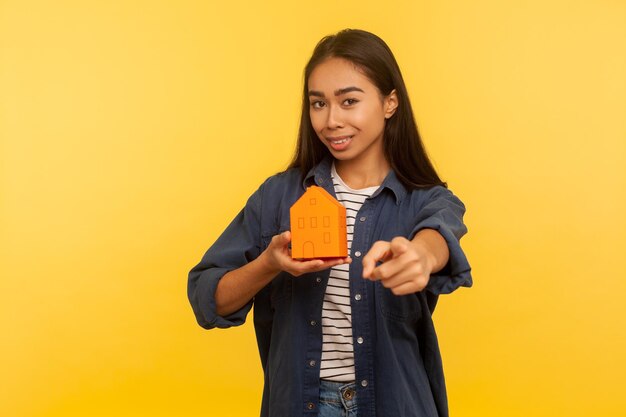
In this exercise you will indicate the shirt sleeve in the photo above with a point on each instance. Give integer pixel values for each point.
(443, 212)
(239, 244)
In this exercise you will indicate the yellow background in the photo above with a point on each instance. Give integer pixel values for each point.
(131, 133)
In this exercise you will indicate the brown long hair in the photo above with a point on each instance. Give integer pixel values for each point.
(402, 144)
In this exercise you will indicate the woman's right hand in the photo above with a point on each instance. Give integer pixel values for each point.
(239, 286)
(277, 258)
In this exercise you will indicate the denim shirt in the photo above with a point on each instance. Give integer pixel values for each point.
(397, 360)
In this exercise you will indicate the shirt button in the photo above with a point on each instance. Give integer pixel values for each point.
(313, 322)
(357, 254)
(310, 406)
(362, 218)
(364, 383)
(318, 280)
(321, 180)
(311, 363)
(357, 297)
(359, 340)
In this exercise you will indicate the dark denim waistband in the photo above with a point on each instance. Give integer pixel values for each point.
(339, 393)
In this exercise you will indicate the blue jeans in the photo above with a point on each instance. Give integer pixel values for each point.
(337, 399)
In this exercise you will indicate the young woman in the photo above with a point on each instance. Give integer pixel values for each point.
(351, 336)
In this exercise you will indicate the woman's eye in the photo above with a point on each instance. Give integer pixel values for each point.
(318, 104)
(350, 101)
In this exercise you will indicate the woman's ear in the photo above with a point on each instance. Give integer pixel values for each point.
(391, 104)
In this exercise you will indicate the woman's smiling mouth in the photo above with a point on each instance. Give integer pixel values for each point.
(339, 143)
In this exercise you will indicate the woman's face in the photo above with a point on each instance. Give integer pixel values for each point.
(348, 111)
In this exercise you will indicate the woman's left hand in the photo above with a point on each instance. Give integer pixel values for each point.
(406, 265)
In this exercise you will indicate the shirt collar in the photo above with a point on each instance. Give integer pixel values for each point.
(320, 175)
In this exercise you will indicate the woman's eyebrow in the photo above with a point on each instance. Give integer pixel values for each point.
(337, 92)
(347, 90)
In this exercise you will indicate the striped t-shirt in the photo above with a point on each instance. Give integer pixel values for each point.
(337, 352)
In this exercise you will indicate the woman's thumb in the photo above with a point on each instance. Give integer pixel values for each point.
(285, 237)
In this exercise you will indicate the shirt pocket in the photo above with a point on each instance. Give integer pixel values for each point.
(397, 307)
(265, 241)
(272, 230)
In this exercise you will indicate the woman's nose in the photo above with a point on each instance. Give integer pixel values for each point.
(335, 119)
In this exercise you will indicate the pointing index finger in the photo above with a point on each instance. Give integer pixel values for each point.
(378, 252)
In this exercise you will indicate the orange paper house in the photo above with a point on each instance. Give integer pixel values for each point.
(318, 226)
